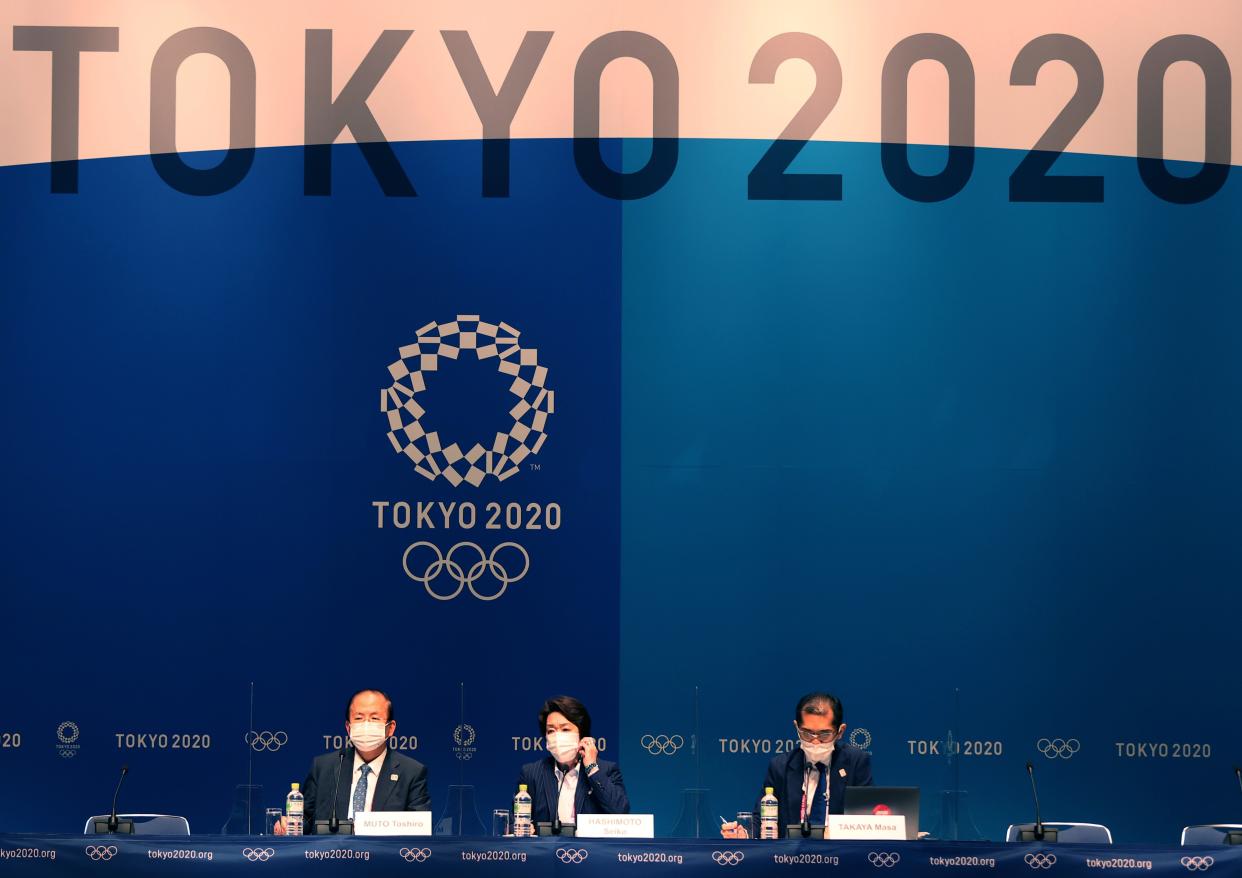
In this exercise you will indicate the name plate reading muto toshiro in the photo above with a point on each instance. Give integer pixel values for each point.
(392, 823)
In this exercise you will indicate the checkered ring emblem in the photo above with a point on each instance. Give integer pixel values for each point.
(504, 451)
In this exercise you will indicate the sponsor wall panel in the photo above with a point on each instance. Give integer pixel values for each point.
(203, 492)
(906, 450)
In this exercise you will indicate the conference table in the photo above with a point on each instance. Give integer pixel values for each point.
(443, 857)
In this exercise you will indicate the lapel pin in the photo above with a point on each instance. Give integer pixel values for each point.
(841, 772)
(394, 777)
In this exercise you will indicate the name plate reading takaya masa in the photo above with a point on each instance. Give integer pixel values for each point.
(616, 826)
(392, 823)
(847, 826)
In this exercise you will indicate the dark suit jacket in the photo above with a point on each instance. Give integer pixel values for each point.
(601, 793)
(786, 774)
(407, 793)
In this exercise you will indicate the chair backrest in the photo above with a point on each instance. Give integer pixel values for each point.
(1067, 833)
(1209, 833)
(146, 824)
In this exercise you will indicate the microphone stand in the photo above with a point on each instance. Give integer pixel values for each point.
(808, 801)
(1039, 823)
(556, 810)
(334, 822)
(113, 820)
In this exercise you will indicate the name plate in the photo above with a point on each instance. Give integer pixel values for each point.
(392, 823)
(616, 826)
(861, 826)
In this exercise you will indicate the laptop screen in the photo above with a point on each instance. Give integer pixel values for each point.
(883, 802)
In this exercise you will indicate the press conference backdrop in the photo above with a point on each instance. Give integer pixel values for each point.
(970, 464)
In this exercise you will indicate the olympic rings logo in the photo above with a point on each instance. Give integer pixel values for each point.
(67, 732)
(269, 741)
(860, 738)
(571, 855)
(1198, 864)
(883, 859)
(258, 855)
(658, 745)
(101, 852)
(728, 858)
(1055, 747)
(466, 578)
(1041, 860)
(415, 855)
(503, 455)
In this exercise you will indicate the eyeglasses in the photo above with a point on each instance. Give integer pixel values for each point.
(822, 737)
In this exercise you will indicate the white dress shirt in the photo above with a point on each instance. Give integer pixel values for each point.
(372, 779)
(569, 792)
(812, 787)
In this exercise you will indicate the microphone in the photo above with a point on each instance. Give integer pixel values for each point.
(1040, 833)
(808, 796)
(334, 822)
(808, 802)
(113, 820)
(556, 811)
(1234, 836)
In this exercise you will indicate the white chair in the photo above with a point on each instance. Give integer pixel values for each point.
(1067, 833)
(145, 824)
(1212, 833)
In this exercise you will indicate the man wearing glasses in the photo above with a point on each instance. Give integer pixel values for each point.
(798, 777)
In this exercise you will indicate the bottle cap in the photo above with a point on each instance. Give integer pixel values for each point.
(296, 786)
(521, 788)
(768, 790)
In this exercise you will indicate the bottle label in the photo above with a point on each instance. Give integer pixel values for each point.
(521, 809)
(294, 809)
(768, 810)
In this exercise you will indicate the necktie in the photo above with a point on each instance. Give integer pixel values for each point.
(360, 791)
(819, 808)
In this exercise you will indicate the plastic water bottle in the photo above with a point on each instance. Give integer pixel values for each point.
(769, 815)
(522, 825)
(294, 804)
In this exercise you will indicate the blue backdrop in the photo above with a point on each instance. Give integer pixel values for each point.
(892, 449)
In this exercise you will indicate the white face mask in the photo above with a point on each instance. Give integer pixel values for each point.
(817, 752)
(368, 735)
(563, 746)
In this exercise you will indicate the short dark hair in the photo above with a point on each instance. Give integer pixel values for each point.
(819, 703)
(573, 709)
(350, 703)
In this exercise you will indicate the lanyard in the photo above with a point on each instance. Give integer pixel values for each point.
(806, 786)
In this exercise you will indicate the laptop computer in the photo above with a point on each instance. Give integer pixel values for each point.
(873, 801)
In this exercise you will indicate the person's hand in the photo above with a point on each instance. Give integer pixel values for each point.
(279, 828)
(588, 751)
(733, 829)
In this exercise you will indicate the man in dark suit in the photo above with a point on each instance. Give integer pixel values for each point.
(797, 777)
(572, 779)
(373, 777)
